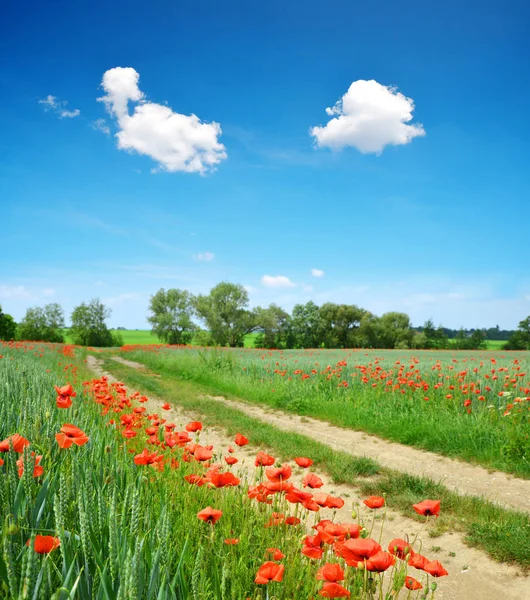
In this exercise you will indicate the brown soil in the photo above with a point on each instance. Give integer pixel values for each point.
(472, 574)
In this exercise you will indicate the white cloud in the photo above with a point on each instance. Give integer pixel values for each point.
(369, 117)
(14, 292)
(120, 299)
(48, 292)
(101, 125)
(278, 281)
(59, 107)
(317, 273)
(204, 256)
(249, 288)
(176, 142)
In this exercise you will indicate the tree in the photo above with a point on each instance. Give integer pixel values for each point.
(226, 315)
(89, 327)
(394, 331)
(8, 327)
(308, 328)
(42, 324)
(520, 339)
(274, 327)
(341, 323)
(171, 316)
(434, 337)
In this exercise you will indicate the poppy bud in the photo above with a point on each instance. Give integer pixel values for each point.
(434, 585)
(13, 529)
(353, 513)
(48, 414)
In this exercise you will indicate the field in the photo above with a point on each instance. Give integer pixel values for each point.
(109, 494)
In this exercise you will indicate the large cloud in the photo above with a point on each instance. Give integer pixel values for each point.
(369, 117)
(176, 142)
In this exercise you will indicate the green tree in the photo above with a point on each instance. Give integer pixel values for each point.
(89, 326)
(8, 327)
(274, 327)
(307, 326)
(520, 339)
(341, 323)
(434, 337)
(171, 315)
(226, 315)
(42, 324)
(394, 331)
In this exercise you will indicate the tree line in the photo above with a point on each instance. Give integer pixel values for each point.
(223, 317)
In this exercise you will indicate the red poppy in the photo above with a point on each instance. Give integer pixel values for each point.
(435, 569)
(333, 590)
(277, 474)
(292, 521)
(210, 515)
(241, 440)
(230, 460)
(44, 544)
(303, 462)
(16, 441)
(374, 502)
(331, 572)
(275, 553)
(37, 469)
(203, 453)
(264, 460)
(166, 406)
(428, 508)
(1, 461)
(401, 549)
(148, 458)
(357, 550)
(231, 541)
(65, 395)
(418, 561)
(378, 562)
(70, 434)
(313, 481)
(412, 584)
(194, 426)
(269, 571)
(220, 480)
(195, 479)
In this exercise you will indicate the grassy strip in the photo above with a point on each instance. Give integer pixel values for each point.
(503, 534)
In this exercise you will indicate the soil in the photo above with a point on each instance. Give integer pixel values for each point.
(472, 574)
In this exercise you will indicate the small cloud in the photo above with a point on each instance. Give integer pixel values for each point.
(59, 107)
(175, 141)
(249, 288)
(101, 125)
(369, 117)
(204, 256)
(48, 292)
(278, 281)
(120, 299)
(317, 273)
(14, 292)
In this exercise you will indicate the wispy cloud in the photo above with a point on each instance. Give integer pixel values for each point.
(101, 125)
(52, 103)
(317, 273)
(204, 256)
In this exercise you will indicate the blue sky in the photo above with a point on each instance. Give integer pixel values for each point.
(415, 202)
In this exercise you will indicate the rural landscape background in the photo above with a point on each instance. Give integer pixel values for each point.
(264, 300)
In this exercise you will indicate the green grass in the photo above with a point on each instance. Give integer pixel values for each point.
(398, 412)
(130, 336)
(480, 521)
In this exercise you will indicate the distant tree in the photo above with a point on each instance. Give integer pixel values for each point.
(394, 331)
(8, 327)
(274, 327)
(520, 339)
(434, 337)
(42, 324)
(226, 315)
(341, 323)
(89, 326)
(307, 325)
(171, 315)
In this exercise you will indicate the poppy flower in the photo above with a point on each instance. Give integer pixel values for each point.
(269, 571)
(203, 453)
(210, 515)
(231, 541)
(166, 406)
(378, 562)
(195, 479)
(16, 441)
(147, 458)
(276, 474)
(333, 590)
(37, 469)
(70, 434)
(220, 480)
(374, 502)
(401, 549)
(194, 426)
(331, 572)
(303, 462)
(264, 460)
(241, 440)
(435, 569)
(428, 508)
(44, 544)
(418, 561)
(231, 460)
(357, 550)
(275, 553)
(412, 584)
(1, 461)
(292, 521)
(313, 481)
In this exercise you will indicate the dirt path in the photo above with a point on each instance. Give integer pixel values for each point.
(472, 574)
